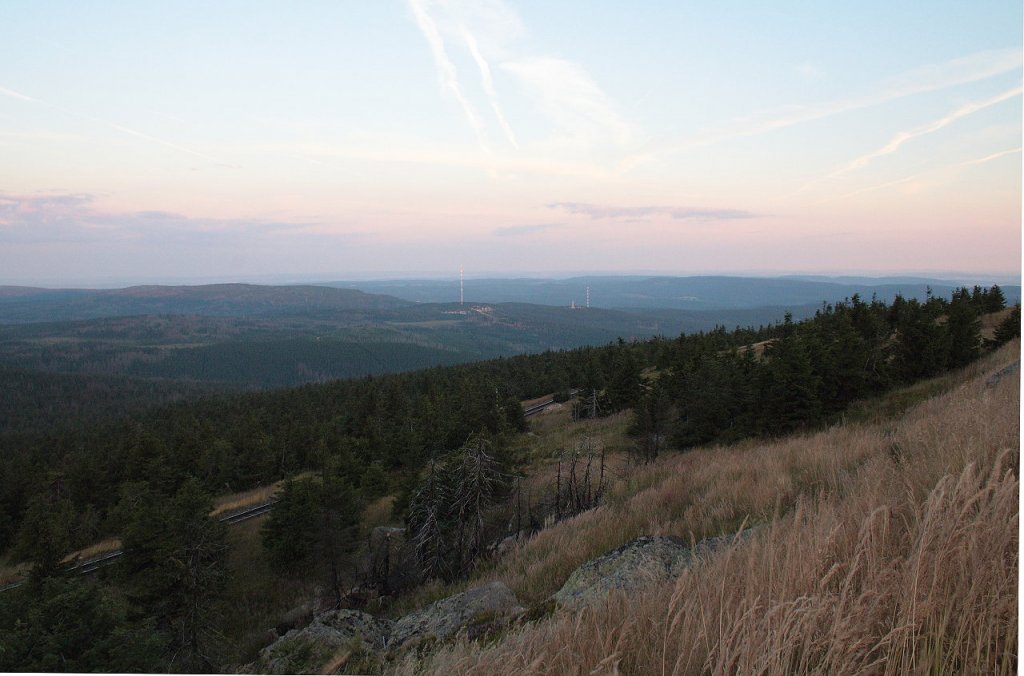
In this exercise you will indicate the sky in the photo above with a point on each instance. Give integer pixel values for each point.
(245, 140)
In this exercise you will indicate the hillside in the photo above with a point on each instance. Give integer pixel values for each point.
(448, 462)
(29, 304)
(891, 542)
(275, 342)
(678, 293)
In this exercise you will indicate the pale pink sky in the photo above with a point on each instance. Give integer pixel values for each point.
(318, 140)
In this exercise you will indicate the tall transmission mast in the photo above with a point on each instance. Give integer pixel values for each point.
(588, 297)
(462, 287)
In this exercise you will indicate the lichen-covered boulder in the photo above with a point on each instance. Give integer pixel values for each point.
(636, 564)
(307, 650)
(476, 611)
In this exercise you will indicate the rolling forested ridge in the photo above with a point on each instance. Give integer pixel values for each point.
(147, 475)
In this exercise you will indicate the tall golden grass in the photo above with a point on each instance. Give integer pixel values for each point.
(884, 548)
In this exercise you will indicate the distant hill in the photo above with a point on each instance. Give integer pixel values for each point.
(250, 336)
(678, 293)
(29, 304)
(293, 348)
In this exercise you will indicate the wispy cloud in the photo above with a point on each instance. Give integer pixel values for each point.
(16, 95)
(993, 156)
(117, 127)
(487, 82)
(914, 177)
(901, 138)
(63, 217)
(679, 213)
(516, 230)
(933, 77)
(446, 69)
(579, 113)
(572, 99)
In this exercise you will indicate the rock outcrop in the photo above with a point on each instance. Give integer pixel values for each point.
(307, 650)
(480, 610)
(994, 379)
(330, 635)
(636, 564)
(477, 610)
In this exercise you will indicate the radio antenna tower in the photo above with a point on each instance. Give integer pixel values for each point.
(462, 288)
(588, 297)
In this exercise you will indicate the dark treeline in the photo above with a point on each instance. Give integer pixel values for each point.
(147, 477)
(390, 423)
(809, 371)
(32, 401)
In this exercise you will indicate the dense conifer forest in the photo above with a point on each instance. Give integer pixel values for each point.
(147, 477)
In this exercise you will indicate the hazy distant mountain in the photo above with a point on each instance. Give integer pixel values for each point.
(680, 293)
(263, 336)
(934, 281)
(30, 304)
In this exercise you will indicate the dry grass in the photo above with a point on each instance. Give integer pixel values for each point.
(758, 348)
(13, 572)
(250, 498)
(886, 548)
(256, 496)
(102, 547)
(991, 321)
(553, 431)
(379, 513)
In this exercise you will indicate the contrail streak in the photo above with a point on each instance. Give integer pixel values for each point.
(993, 156)
(488, 84)
(902, 137)
(446, 69)
(887, 184)
(899, 139)
(15, 95)
(124, 130)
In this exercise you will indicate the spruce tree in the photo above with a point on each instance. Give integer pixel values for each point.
(964, 329)
(1009, 328)
(290, 533)
(789, 387)
(174, 561)
(994, 299)
(44, 537)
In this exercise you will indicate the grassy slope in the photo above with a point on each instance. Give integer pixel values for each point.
(887, 546)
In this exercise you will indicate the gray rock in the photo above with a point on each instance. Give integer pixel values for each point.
(641, 562)
(1002, 373)
(476, 610)
(307, 650)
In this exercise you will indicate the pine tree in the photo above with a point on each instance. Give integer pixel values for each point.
(964, 330)
(1009, 328)
(995, 300)
(44, 537)
(479, 480)
(428, 522)
(290, 533)
(922, 341)
(174, 562)
(789, 388)
(650, 422)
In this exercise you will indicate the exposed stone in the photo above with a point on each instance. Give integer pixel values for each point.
(307, 650)
(641, 562)
(476, 610)
(1002, 373)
